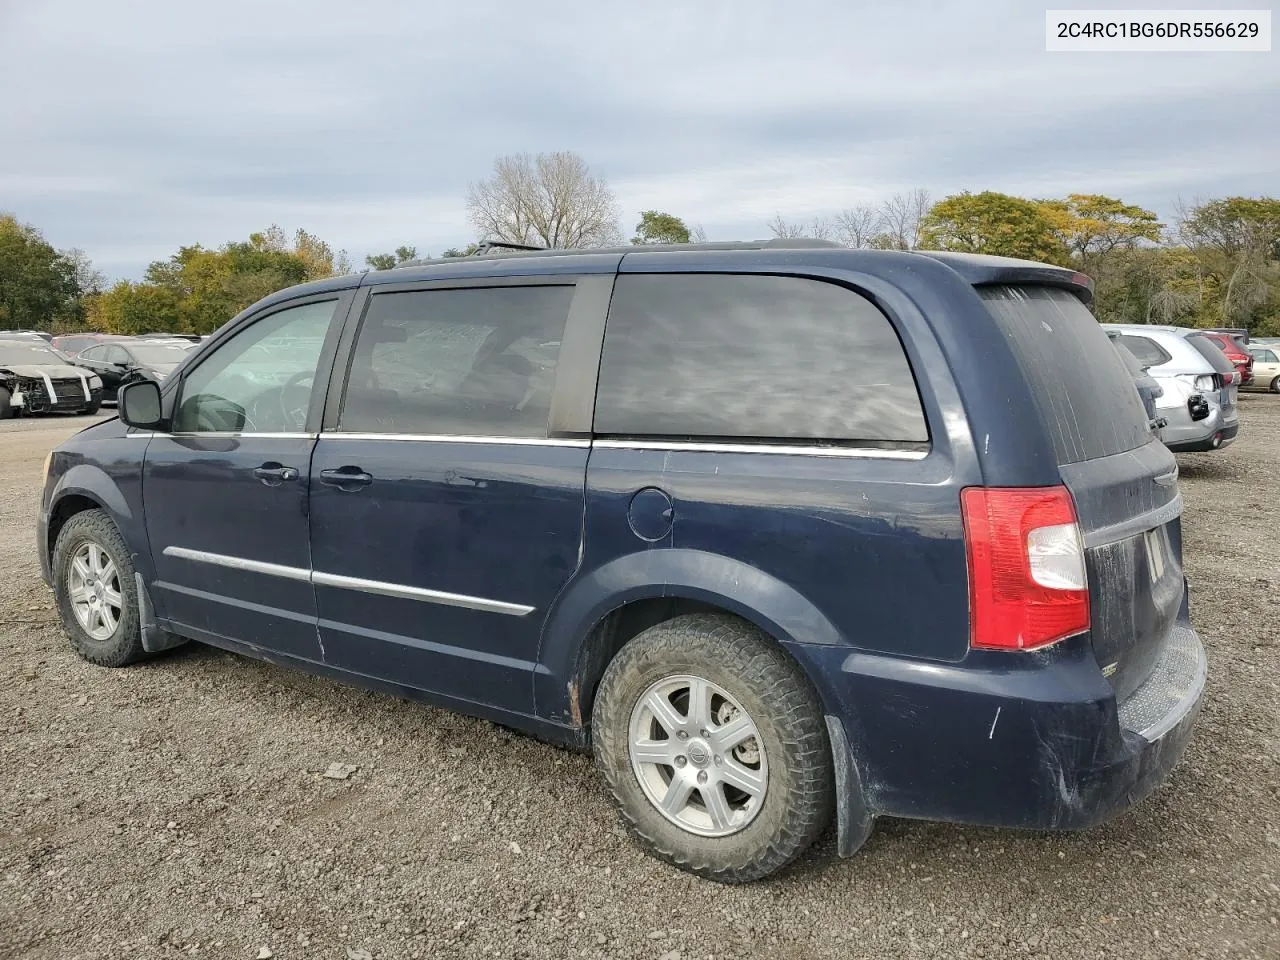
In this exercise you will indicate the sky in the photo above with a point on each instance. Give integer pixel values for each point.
(128, 128)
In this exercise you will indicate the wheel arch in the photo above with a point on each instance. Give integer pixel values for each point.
(88, 487)
(600, 611)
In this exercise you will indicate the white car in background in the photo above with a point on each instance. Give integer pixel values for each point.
(1199, 384)
(1266, 366)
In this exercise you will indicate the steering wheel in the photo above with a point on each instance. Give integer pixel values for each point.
(295, 409)
(205, 422)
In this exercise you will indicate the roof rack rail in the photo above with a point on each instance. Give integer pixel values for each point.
(502, 250)
(488, 245)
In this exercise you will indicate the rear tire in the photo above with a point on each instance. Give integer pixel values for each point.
(96, 591)
(744, 681)
(6, 411)
(1275, 385)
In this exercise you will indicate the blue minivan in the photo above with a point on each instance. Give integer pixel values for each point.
(780, 530)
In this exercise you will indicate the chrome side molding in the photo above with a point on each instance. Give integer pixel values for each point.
(379, 587)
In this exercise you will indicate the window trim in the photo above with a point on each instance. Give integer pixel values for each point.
(822, 446)
(172, 397)
(572, 398)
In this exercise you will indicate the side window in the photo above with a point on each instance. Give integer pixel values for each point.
(759, 357)
(1148, 352)
(117, 354)
(260, 380)
(93, 353)
(473, 362)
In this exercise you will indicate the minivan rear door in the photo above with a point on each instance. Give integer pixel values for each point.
(1123, 480)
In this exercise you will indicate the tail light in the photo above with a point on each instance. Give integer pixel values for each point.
(1027, 582)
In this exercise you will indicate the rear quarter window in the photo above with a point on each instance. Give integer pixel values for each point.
(1084, 393)
(763, 358)
(1148, 352)
(1211, 352)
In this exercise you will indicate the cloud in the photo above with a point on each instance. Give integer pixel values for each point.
(142, 126)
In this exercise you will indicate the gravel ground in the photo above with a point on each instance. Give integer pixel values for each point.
(180, 807)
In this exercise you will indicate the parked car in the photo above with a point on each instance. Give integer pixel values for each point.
(72, 344)
(754, 521)
(36, 378)
(123, 361)
(1148, 387)
(1199, 384)
(191, 338)
(1266, 367)
(24, 334)
(1235, 350)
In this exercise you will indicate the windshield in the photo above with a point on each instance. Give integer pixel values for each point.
(15, 353)
(159, 354)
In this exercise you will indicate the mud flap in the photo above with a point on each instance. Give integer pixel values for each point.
(153, 638)
(853, 820)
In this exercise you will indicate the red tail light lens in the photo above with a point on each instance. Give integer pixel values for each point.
(1027, 582)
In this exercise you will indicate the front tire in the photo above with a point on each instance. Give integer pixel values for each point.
(1275, 385)
(96, 592)
(6, 411)
(715, 748)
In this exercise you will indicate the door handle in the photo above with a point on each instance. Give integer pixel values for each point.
(274, 474)
(348, 479)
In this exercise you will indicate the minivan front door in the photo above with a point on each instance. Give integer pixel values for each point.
(225, 492)
(445, 518)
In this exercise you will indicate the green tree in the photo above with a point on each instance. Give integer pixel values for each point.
(1090, 224)
(993, 223)
(385, 261)
(129, 308)
(656, 227)
(469, 250)
(38, 285)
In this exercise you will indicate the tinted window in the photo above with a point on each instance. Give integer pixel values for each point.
(260, 380)
(1148, 352)
(475, 362)
(783, 358)
(1084, 393)
(1209, 350)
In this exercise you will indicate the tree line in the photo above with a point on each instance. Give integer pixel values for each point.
(1217, 263)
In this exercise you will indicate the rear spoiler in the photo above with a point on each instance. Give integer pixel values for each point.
(982, 270)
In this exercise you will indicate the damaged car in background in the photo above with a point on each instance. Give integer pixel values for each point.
(35, 378)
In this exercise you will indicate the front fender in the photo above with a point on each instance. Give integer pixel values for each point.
(736, 587)
(92, 482)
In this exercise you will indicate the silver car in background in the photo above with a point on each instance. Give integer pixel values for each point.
(1199, 384)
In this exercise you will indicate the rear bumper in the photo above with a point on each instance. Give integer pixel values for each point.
(1223, 435)
(1032, 741)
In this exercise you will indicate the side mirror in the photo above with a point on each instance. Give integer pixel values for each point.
(139, 405)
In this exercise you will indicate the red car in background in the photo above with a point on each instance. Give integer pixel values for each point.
(1236, 352)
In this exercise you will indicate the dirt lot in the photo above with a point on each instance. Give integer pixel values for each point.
(178, 808)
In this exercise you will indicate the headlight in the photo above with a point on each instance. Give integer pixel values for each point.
(95, 382)
(159, 376)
